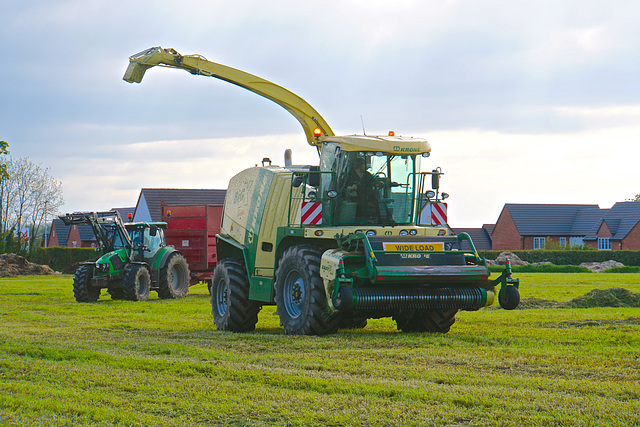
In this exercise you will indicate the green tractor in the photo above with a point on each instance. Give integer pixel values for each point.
(135, 260)
(334, 244)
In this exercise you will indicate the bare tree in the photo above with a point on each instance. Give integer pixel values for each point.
(28, 197)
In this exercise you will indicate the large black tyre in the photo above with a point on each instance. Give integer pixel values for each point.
(136, 283)
(426, 320)
(82, 289)
(230, 305)
(174, 277)
(301, 301)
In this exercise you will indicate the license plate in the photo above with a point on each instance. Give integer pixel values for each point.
(413, 247)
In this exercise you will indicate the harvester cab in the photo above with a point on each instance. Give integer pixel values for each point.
(334, 244)
(135, 260)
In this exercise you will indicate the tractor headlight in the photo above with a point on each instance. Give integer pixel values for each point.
(371, 232)
(404, 232)
(413, 232)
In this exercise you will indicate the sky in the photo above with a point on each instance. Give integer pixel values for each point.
(522, 102)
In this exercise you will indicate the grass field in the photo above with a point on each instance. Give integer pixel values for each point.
(161, 363)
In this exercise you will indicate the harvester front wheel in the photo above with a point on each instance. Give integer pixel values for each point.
(136, 283)
(174, 278)
(230, 305)
(82, 289)
(426, 320)
(301, 301)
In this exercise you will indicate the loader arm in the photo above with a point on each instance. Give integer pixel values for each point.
(308, 117)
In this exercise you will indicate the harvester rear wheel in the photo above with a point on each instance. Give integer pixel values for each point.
(426, 320)
(230, 305)
(301, 301)
(82, 289)
(174, 278)
(136, 283)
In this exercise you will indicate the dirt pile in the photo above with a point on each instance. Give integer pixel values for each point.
(599, 267)
(613, 297)
(12, 265)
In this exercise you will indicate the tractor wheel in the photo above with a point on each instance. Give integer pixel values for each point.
(174, 278)
(301, 301)
(509, 297)
(426, 320)
(136, 283)
(230, 305)
(82, 289)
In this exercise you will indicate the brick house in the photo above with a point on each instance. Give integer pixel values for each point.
(619, 228)
(536, 226)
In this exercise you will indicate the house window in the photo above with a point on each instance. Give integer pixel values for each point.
(604, 244)
(576, 241)
(539, 242)
(562, 242)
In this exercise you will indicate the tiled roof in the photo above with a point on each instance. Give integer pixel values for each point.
(479, 236)
(62, 232)
(552, 220)
(153, 198)
(620, 219)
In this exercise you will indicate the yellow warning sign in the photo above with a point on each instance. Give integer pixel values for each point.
(413, 247)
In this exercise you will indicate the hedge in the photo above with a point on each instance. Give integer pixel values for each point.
(629, 258)
(59, 258)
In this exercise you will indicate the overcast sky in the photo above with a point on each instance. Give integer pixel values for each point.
(522, 101)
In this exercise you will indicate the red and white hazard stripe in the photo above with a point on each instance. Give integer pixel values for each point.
(311, 213)
(439, 213)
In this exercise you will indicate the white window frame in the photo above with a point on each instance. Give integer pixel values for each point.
(604, 243)
(576, 241)
(562, 242)
(539, 243)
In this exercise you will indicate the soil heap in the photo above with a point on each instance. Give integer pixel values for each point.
(12, 265)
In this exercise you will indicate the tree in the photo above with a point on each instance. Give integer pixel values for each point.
(636, 198)
(28, 197)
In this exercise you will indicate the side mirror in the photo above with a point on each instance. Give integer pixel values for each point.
(153, 230)
(314, 176)
(435, 179)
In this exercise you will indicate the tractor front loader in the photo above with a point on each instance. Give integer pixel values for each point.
(135, 260)
(334, 244)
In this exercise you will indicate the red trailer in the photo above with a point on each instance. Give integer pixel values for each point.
(192, 230)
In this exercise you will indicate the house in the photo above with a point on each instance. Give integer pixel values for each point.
(149, 206)
(536, 226)
(617, 229)
(73, 236)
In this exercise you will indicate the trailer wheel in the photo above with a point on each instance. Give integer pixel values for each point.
(301, 301)
(82, 289)
(174, 278)
(230, 305)
(426, 320)
(136, 283)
